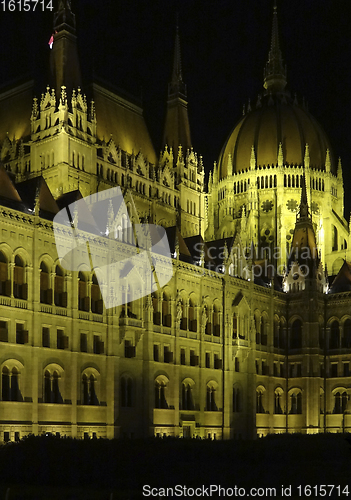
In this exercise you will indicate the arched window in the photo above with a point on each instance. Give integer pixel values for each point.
(235, 326)
(259, 401)
(184, 319)
(89, 396)
(51, 391)
(347, 333)
(187, 397)
(45, 291)
(166, 316)
(19, 287)
(14, 385)
(296, 335)
(258, 329)
(10, 389)
(5, 384)
(55, 388)
(278, 394)
(334, 342)
(92, 392)
(85, 384)
(216, 321)
(83, 298)
(5, 283)
(156, 313)
(282, 335)
(96, 300)
(211, 399)
(60, 296)
(295, 403)
(276, 333)
(192, 316)
(340, 402)
(47, 387)
(160, 395)
(264, 330)
(334, 239)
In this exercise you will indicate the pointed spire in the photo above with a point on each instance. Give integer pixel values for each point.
(177, 127)
(327, 161)
(275, 71)
(304, 213)
(37, 202)
(177, 86)
(64, 61)
(339, 169)
(307, 156)
(280, 155)
(252, 159)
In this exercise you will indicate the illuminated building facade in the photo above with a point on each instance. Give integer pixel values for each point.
(227, 348)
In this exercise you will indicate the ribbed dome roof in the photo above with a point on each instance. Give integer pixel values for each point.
(277, 119)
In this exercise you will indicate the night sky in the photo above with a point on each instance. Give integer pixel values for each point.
(224, 45)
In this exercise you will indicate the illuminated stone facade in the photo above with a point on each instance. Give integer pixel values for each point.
(218, 352)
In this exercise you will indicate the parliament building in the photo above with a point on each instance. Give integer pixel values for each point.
(252, 335)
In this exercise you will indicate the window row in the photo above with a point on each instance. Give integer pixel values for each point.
(191, 360)
(294, 401)
(14, 282)
(11, 386)
(186, 397)
(55, 340)
(188, 314)
(265, 182)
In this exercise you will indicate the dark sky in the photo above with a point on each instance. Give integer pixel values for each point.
(224, 49)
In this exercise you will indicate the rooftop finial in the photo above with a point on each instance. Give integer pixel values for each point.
(275, 71)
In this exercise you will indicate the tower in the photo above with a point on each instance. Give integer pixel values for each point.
(261, 167)
(64, 60)
(179, 155)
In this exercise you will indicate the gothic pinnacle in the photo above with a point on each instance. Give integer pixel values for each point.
(275, 71)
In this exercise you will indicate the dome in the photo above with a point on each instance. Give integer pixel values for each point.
(276, 119)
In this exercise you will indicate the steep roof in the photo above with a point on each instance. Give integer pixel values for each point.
(342, 281)
(124, 120)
